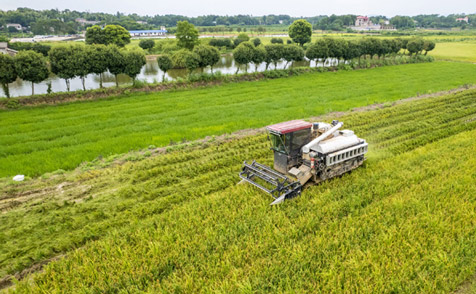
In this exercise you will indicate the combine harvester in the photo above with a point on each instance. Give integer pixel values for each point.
(305, 151)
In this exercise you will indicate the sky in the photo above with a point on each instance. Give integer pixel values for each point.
(253, 7)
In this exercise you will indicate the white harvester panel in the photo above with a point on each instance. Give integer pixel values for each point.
(336, 143)
(343, 155)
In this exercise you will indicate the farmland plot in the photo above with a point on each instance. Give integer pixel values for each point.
(178, 223)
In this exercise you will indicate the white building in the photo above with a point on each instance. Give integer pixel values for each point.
(84, 22)
(363, 23)
(463, 19)
(5, 50)
(14, 25)
(148, 33)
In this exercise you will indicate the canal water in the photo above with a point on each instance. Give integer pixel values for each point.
(149, 73)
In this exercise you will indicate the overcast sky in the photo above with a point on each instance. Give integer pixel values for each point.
(253, 7)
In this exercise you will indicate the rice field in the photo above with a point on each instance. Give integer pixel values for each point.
(177, 222)
(48, 138)
(459, 51)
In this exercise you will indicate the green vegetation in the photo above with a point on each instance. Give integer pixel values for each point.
(8, 74)
(147, 44)
(178, 222)
(187, 35)
(165, 63)
(208, 56)
(111, 34)
(41, 139)
(300, 31)
(32, 67)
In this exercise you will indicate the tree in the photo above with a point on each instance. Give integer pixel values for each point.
(402, 22)
(243, 54)
(428, 46)
(256, 42)
(63, 63)
(240, 39)
(292, 53)
(300, 31)
(259, 55)
(209, 55)
(165, 63)
(404, 43)
(192, 62)
(115, 34)
(81, 62)
(274, 53)
(134, 61)
(147, 44)
(318, 50)
(12, 30)
(277, 41)
(384, 48)
(8, 73)
(370, 46)
(187, 35)
(336, 48)
(95, 35)
(31, 66)
(116, 61)
(415, 45)
(97, 55)
(396, 46)
(352, 50)
(111, 34)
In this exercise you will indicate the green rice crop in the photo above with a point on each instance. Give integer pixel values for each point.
(47, 138)
(403, 223)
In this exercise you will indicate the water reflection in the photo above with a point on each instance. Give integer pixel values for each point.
(149, 73)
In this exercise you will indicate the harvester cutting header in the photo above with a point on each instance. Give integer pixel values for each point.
(305, 151)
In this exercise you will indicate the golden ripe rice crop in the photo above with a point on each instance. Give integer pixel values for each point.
(403, 223)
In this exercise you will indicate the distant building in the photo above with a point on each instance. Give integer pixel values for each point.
(149, 33)
(141, 22)
(463, 19)
(363, 23)
(5, 50)
(14, 25)
(84, 22)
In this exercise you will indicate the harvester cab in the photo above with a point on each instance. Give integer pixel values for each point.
(304, 151)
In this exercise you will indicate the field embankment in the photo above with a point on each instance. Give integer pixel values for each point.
(402, 223)
(47, 138)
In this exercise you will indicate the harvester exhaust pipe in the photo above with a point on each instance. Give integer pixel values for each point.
(306, 148)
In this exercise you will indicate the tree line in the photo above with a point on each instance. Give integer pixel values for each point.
(327, 49)
(251, 51)
(56, 21)
(103, 53)
(68, 62)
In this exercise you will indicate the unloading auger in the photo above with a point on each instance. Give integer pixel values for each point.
(305, 152)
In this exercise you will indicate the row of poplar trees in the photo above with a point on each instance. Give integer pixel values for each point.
(68, 62)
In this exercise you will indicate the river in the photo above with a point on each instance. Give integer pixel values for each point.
(150, 73)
